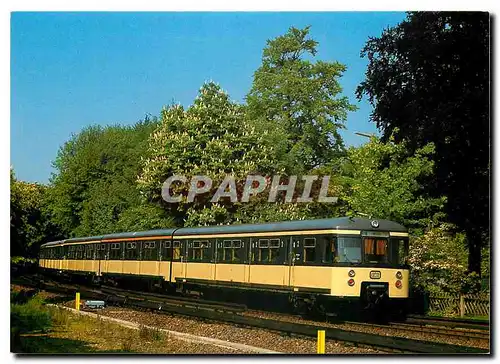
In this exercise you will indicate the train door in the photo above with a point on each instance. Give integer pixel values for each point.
(103, 254)
(184, 257)
(294, 256)
(178, 259)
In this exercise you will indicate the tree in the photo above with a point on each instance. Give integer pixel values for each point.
(30, 223)
(210, 138)
(95, 180)
(439, 262)
(299, 101)
(380, 180)
(428, 78)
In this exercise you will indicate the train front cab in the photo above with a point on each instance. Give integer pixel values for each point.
(371, 275)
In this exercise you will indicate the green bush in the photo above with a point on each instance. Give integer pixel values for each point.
(21, 297)
(29, 317)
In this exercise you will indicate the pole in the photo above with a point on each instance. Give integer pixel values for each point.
(462, 305)
(77, 301)
(321, 341)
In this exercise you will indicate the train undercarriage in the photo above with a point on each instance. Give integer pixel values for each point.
(373, 305)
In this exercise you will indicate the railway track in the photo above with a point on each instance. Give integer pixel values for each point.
(231, 314)
(442, 331)
(478, 325)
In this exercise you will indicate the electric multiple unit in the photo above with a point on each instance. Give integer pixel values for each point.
(315, 262)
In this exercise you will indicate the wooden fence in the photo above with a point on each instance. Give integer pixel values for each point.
(461, 305)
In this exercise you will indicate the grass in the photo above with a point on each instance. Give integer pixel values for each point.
(36, 328)
(72, 333)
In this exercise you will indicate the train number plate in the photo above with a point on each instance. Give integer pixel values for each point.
(375, 274)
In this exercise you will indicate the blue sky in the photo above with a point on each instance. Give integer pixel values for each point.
(70, 70)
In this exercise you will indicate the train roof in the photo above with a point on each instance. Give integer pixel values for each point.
(52, 243)
(138, 234)
(340, 223)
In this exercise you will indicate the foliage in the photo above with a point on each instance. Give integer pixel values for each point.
(209, 138)
(439, 262)
(428, 78)
(28, 317)
(95, 180)
(382, 181)
(144, 217)
(30, 224)
(299, 102)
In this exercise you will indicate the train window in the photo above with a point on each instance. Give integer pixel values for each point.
(274, 243)
(89, 251)
(375, 250)
(268, 251)
(78, 252)
(309, 250)
(115, 252)
(330, 251)
(230, 251)
(166, 252)
(131, 251)
(177, 250)
(237, 251)
(349, 249)
(263, 253)
(149, 251)
(310, 242)
(199, 250)
(399, 251)
(403, 252)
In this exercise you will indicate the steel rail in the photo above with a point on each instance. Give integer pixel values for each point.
(394, 344)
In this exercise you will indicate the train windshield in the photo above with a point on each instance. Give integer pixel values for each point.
(399, 251)
(375, 250)
(349, 250)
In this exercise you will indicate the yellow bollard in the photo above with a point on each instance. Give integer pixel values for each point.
(77, 301)
(321, 341)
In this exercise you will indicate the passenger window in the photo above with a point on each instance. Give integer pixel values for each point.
(309, 250)
(149, 251)
(115, 252)
(230, 251)
(177, 250)
(166, 250)
(274, 250)
(263, 255)
(131, 251)
(197, 250)
(89, 251)
(268, 251)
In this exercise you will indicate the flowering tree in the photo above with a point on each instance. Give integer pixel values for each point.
(438, 260)
(210, 138)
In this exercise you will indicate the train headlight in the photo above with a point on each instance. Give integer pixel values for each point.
(350, 282)
(399, 284)
(352, 273)
(399, 275)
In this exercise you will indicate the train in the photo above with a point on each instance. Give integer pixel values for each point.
(323, 265)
